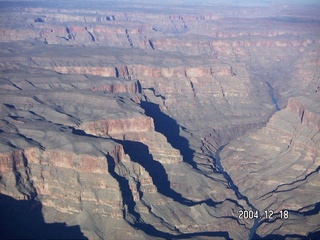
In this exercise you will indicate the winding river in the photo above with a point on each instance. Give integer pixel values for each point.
(272, 95)
(236, 190)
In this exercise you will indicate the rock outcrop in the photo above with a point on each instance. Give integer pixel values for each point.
(277, 168)
(101, 160)
(149, 122)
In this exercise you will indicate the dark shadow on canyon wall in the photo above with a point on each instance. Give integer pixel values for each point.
(140, 153)
(136, 150)
(170, 129)
(310, 236)
(23, 220)
(127, 197)
(128, 200)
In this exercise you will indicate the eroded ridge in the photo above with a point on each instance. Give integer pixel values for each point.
(139, 121)
(277, 168)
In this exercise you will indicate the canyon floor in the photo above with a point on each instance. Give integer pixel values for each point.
(169, 120)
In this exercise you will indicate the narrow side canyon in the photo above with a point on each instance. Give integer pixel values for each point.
(159, 121)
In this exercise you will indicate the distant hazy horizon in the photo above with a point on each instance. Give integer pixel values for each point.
(192, 2)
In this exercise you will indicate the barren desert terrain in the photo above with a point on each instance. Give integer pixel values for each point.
(159, 120)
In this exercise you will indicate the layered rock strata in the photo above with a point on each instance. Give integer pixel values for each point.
(111, 117)
(90, 156)
(277, 168)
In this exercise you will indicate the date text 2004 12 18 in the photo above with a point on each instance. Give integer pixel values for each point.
(267, 214)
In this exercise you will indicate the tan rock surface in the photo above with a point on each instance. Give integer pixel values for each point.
(112, 114)
(277, 167)
(92, 154)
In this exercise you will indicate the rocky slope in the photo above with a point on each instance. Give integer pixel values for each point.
(87, 165)
(277, 168)
(114, 118)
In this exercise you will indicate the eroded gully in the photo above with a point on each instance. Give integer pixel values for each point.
(170, 129)
(237, 192)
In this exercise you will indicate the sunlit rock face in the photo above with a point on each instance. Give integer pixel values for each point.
(283, 162)
(160, 121)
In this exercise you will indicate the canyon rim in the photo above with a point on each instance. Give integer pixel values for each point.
(159, 120)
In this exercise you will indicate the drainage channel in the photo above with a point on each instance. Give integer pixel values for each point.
(237, 192)
(273, 97)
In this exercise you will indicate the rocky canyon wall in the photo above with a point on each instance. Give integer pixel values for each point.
(146, 121)
(287, 149)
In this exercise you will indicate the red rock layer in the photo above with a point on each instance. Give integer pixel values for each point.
(119, 126)
(277, 167)
(307, 117)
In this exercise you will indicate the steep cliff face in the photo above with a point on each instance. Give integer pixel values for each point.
(277, 167)
(176, 85)
(209, 64)
(72, 186)
(100, 164)
(307, 117)
(113, 118)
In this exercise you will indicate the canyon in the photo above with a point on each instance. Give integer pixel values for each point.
(159, 121)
